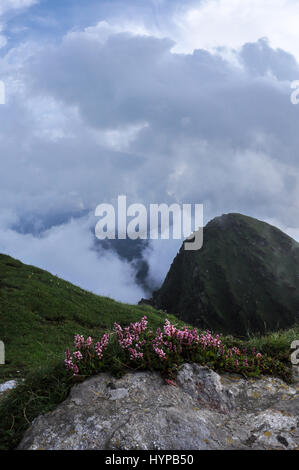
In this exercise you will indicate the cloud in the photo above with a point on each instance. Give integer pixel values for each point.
(192, 114)
(67, 251)
(112, 109)
(9, 7)
(231, 23)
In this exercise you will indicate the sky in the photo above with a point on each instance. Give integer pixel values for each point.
(163, 101)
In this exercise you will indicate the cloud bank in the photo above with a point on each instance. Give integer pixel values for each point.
(143, 109)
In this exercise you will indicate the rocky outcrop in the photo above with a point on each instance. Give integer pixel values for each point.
(243, 280)
(203, 410)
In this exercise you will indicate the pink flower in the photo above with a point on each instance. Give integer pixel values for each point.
(67, 354)
(129, 338)
(68, 359)
(78, 355)
(79, 341)
(105, 340)
(98, 349)
(207, 340)
(69, 364)
(236, 351)
(258, 356)
(102, 344)
(134, 354)
(160, 352)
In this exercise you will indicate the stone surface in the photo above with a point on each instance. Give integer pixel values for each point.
(140, 411)
(8, 386)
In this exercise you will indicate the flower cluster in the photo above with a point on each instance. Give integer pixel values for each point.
(102, 344)
(183, 336)
(208, 341)
(69, 361)
(173, 340)
(130, 337)
(85, 353)
(79, 341)
(164, 350)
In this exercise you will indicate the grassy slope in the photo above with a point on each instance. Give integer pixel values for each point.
(40, 313)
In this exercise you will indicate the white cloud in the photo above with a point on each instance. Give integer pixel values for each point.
(118, 139)
(159, 255)
(231, 23)
(68, 251)
(104, 29)
(292, 231)
(7, 5)
(3, 40)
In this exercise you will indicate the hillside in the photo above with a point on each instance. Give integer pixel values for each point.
(244, 279)
(40, 313)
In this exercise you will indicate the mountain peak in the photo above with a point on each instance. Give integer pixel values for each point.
(244, 279)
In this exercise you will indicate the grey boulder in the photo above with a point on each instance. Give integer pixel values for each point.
(202, 411)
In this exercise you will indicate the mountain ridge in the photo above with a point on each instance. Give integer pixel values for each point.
(245, 278)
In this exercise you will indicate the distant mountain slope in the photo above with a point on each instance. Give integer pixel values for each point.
(40, 313)
(244, 279)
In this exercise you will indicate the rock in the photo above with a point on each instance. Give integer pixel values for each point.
(8, 386)
(296, 373)
(145, 301)
(205, 387)
(140, 411)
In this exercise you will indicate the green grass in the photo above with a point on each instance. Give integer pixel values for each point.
(40, 313)
(42, 390)
(276, 344)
